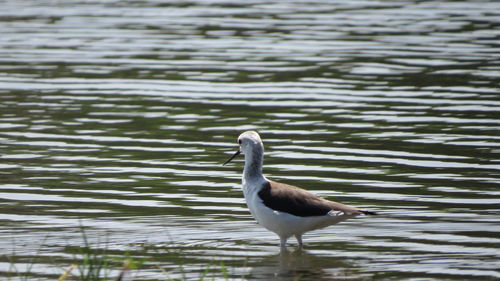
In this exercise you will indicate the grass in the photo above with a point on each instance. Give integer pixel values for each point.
(22, 275)
(95, 263)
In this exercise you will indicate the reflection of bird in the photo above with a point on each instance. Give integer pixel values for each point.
(303, 265)
(284, 209)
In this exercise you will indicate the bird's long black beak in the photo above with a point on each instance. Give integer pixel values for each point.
(232, 157)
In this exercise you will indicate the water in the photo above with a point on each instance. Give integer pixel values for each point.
(115, 116)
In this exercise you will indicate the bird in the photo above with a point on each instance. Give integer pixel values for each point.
(284, 209)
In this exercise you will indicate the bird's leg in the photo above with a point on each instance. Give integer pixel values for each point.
(299, 240)
(283, 244)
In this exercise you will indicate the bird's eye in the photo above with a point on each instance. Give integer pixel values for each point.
(239, 141)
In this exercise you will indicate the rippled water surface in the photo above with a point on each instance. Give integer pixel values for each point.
(115, 117)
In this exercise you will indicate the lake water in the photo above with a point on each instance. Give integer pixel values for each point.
(115, 117)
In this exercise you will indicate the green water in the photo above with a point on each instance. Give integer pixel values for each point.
(117, 115)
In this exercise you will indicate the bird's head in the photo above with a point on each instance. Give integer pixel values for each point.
(248, 141)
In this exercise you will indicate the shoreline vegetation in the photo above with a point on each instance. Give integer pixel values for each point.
(94, 263)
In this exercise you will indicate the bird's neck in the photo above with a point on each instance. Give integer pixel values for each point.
(253, 165)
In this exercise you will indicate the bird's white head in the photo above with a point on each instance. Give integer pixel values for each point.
(250, 144)
(249, 141)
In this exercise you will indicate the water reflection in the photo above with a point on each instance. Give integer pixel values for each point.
(303, 265)
(118, 115)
